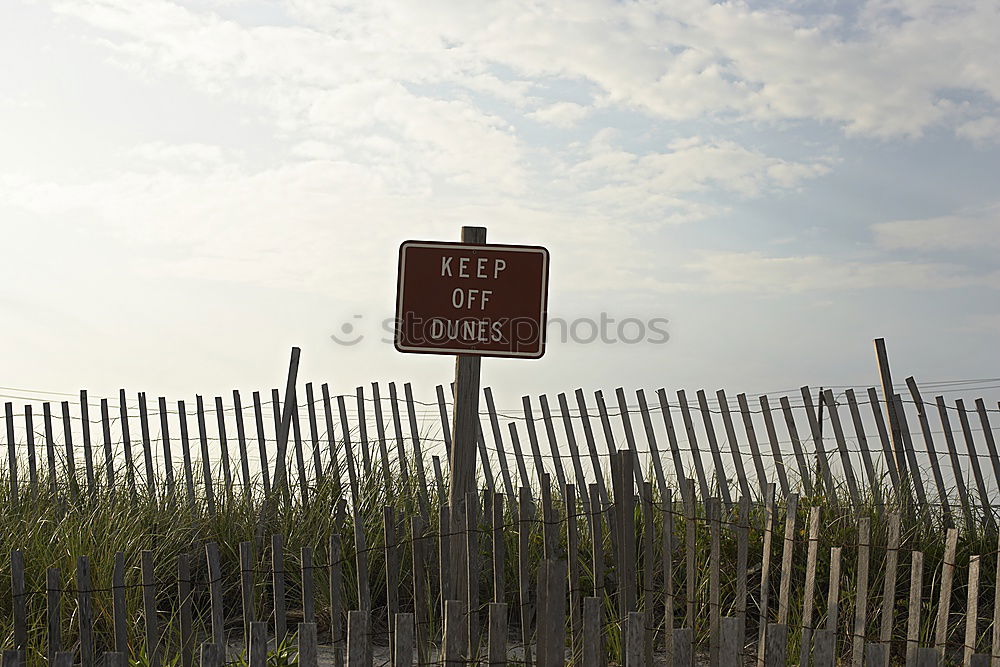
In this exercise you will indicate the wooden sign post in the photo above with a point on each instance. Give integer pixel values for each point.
(472, 300)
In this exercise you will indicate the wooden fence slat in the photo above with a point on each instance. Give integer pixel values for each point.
(629, 554)
(247, 591)
(602, 413)
(18, 601)
(444, 556)
(499, 549)
(876, 655)
(977, 471)
(648, 573)
(721, 477)
(742, 549)
(833, 591)
(734, 448)
(185, 613)
(765, 573)
(824, 648)
(776, 651)
(402, 640)
(555, 609)
(596, 522)
(972, 610)
(210, 656)
(206, 460)
(50, 450)
(186, 451)
(693, 444)
(85, 608)
(683, 647)
(147, 445)
(911, 464)
(241, 440)
(787, 552)
(913, 611)
(109, 466)
(11, 453)
(63, 659)
(52, 604)
(772, 437)
(227, 473)
(874, 483)
(623, 412)
(592, 646)
(995, 638)
(442, 488)
(809, 589)
(29, 432)
(654, 452)
(714, 582)
(956, 465)
(883, 436)
(525, 518)
(418, 457)
(454, 634)
(126, 442)
(70, 453)
(812, 417)
(88, 448)
(508, 484)
(675, 453)
(497, 652)
(634, 640)
(472, 514)
(845, 459)
(690, 554)
(927, 657)
(314, 432)
(445, 420)
(300, 459)
(529, 424)
(366, 454)
(861, 592)
(278, 586)
(731, 645)
(119, 613)
(334, 555)
(392, 565)
(793, 434)
(925, 429)
(991, 445)
(667, 554)
(258, 415)
(307, 645)
(258, 644)
(588, 432)
(215, 590)
(149, 614)
(422, 601)
(515, 443)
(308, 585)
(889, 586)
(574, 450)
(383, 447)
(550, 435)
(944, 599)
(397, 429)
(359, 649)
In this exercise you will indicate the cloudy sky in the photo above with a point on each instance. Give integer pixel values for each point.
(188, 188)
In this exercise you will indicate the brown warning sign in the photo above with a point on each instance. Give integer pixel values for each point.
(487, 300)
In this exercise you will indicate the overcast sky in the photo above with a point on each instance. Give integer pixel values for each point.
(187, 189)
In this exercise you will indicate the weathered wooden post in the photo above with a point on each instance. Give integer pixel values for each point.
(470, 300)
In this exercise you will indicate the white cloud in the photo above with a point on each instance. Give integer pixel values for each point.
(560, 114)
(979, 231)
(756, 272)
